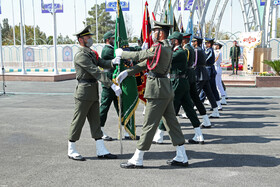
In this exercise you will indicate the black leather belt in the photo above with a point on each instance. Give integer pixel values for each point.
(90, 81)
(157, 75)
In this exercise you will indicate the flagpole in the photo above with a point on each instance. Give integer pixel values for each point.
(22, 40)
(34, 22)
(54, 39)
(2, 63)
(96, 21)
(119, 71)
(85, 12)
(75, 16)
(14, 34)
(23, 13)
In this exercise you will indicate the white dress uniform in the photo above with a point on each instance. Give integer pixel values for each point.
(218, 60)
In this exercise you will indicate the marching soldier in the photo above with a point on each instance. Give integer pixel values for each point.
(181, 87)
(210, 61)
(108, 95)
(234, 56)
(192, 80)
(86, 95)
(218, 60)
(202, 76)
(159, 95)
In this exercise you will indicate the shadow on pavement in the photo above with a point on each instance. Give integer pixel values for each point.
(216, 139)
(249, 125)
(231, 160)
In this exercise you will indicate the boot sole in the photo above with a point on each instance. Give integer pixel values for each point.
(195, 142)
(80, 159)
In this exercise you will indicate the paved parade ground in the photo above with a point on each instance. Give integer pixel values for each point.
(242, 148)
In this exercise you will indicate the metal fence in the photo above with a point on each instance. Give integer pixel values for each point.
(43, 56)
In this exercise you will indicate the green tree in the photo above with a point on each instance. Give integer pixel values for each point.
(104, 19)
(7, 35)
(64, 40)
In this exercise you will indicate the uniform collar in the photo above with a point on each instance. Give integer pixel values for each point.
(176, 48)
(86, 49)
(109, 45)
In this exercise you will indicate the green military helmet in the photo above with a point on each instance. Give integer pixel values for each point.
(176, 35)
(108, 35)
(84, 32)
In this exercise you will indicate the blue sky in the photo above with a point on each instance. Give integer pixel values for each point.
(65, 21)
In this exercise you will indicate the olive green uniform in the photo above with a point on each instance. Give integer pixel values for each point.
(108, 95)
(181, 86)
(86, 93)
(234, 54)
(159, 95)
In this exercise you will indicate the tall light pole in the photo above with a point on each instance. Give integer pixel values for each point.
(231, 16)
(23, 13)
(54, 39)
(75, 16)
(34, 22)
(96, 21)
(22, 40)
(14, 34)
(85, 12)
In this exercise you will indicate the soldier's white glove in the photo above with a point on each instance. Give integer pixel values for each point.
(117, 89)
(119, 52)
(116, 60)
(121, 77)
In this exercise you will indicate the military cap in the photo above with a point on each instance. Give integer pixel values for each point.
(159, 25)
(176, 35)
(219, 44)
(196, 38)
(84, 32)
(187, 35)
(211, 40)
(108, 35)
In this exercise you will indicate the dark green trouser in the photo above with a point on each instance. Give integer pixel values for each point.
(236, 65)
(155, 110)
(107, 97)
(182, 98)
(85, 109)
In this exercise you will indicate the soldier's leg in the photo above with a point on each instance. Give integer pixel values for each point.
(106, 100)
(96, 133)
(196, 100)
(172, 125)
(232, 65)
(154, 111)
(199, 86)
(220, 84)
(94, 121)
(202, 96)
(213, 85)
(209, 94)
(187, 105)
(79, 118)
(236, 66)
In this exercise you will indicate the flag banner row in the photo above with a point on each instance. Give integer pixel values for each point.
(46, 6)
(111, 5)
(188, 4)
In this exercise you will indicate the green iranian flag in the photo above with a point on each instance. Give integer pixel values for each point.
(129, 97)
